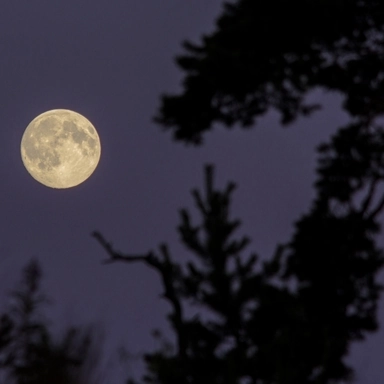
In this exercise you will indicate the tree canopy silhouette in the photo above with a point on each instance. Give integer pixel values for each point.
(269, 54)
(293, 320)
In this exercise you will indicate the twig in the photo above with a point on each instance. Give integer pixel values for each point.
(117, 256)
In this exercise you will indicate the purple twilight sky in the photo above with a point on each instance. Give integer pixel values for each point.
(110, 60)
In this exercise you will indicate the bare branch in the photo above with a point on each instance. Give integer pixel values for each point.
(169, 275)
(117, 256)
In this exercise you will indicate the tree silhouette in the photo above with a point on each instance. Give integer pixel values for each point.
(293, 320)
(29, 354)
(269, 54)
(289, 319)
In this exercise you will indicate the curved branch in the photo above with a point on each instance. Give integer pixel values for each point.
(168, 272)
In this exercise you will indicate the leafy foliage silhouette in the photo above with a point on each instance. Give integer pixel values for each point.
(29, 354)
(270, 54)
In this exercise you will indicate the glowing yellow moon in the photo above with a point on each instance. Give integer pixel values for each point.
(60, 148)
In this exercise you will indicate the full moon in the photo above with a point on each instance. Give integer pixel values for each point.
(60, 148)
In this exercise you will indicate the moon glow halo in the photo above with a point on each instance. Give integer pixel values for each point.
(60, 148)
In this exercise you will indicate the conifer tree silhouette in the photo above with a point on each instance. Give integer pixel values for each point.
(292, 320)
(29, 354)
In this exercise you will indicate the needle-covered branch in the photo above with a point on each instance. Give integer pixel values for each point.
(245, 320)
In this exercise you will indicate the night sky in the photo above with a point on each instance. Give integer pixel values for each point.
(110, 60)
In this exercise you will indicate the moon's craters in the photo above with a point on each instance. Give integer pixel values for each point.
(60, 148)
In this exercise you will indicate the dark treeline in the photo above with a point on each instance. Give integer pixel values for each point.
(30, 353)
